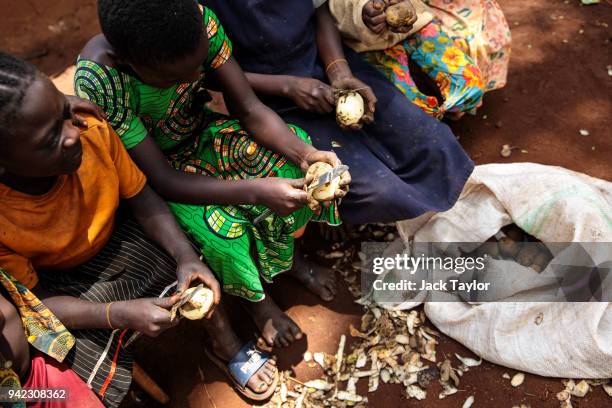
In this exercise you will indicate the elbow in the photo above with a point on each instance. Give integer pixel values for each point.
(251, 110)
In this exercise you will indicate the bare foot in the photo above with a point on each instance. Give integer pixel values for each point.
(226, 345)
(277, 329)
(318, 279)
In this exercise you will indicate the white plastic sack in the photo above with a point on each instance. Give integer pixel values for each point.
(571, 340)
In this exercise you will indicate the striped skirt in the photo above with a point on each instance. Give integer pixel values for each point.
(129, 267)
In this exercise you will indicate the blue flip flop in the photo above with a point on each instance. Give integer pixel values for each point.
(242, 367)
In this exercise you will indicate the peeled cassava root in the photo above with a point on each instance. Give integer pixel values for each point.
(199, 304)
(516, 245)
(324, 193)
(349, 108)
(509, 247)
(400, 14)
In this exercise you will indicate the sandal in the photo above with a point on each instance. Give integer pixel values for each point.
(242, 367)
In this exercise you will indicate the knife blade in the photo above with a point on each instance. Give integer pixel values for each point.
(323, 179)
(329, 176)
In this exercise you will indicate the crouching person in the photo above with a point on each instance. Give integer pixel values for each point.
(62, 177)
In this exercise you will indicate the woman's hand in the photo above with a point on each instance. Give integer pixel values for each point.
(283, 196)
(349, 82)
(150, 316)
(310, 94)
(373, 15)
(81, 105)
(334, 161)
(194, 270)
(375, 18)
(319, 156)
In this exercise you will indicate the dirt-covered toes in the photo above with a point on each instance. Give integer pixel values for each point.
(276, 328)
(318, 279)
(263, 378)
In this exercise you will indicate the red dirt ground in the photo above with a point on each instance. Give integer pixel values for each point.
(558, 84)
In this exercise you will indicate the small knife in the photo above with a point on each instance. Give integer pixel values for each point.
(329, 176)
(323, 179)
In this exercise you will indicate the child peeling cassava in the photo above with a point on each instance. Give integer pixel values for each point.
(105, 277)
(441, 55)
(218, 173)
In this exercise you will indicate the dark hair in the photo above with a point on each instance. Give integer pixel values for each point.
(16, 76)
(151, 31)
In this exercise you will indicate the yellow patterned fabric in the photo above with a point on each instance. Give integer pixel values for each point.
(43, 329)
(9, 380)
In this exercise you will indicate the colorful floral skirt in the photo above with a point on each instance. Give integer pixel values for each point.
(455, 74)
(465, 50)
(479, 28)
(240, 252)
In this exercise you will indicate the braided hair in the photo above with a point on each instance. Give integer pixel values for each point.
(151, 31)
(16, 76)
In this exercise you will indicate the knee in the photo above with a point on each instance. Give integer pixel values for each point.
(385, 204)
(383, 193)
(473, 81)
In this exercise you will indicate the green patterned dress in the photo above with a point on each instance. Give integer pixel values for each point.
(197, 140)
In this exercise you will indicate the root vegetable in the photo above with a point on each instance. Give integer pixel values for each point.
(527, 254)
(315, 171)
(400, 14)
(492, 249)
(324, 193)
(514, 233)
(349, 108)
(541, 260)
(508, 247)
(199, 304)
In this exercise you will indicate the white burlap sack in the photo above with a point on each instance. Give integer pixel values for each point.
(572, 340)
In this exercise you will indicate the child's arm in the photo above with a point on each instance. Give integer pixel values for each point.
(153, 214)
(309, 94)
(73, 312)
(263, 124)
(283, 196)
(150, 315)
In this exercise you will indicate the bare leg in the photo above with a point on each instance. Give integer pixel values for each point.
(318, 279)
(277, 329)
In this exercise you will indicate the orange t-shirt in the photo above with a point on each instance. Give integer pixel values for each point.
(71, 223)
